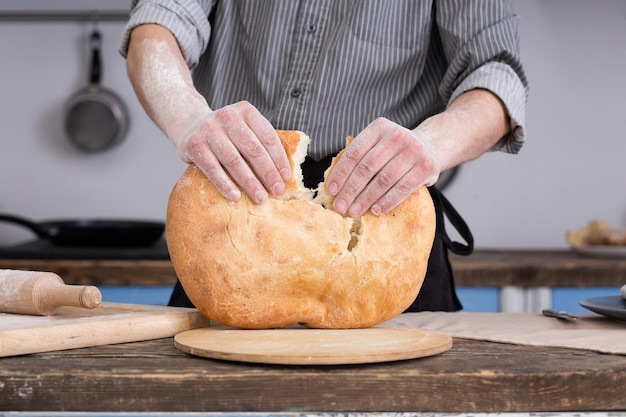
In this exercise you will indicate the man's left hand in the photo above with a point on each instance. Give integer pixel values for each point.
(380, 168)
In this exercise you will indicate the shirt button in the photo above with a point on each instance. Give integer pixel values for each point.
(295, 92)
(311, 28)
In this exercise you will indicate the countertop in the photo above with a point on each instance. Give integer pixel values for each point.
(483, 268)
(473, 376)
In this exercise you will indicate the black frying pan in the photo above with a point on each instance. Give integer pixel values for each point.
(96, 119)
(101, 233)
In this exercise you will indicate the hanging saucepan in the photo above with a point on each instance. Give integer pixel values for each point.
(96, 119)
(92, 233)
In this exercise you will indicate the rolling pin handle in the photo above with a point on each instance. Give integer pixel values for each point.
(90, 297)
(42, 293)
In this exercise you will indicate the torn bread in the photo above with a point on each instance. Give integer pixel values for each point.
(291, 260)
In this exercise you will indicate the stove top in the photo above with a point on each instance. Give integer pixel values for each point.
(43, 249)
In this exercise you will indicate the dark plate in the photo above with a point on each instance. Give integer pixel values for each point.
(613, 306)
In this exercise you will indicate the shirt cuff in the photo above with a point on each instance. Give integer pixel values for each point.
(501, 80)
(185, 19)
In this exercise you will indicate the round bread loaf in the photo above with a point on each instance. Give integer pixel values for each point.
(291, 260)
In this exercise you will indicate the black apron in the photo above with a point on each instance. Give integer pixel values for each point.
(437, 292)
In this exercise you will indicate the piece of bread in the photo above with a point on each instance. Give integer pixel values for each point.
(291, 260)
(596, 233)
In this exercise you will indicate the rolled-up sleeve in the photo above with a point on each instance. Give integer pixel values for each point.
(481, 43)
(187, 20)
(501, 80)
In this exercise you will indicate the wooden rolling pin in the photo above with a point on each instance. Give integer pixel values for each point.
(42, 293)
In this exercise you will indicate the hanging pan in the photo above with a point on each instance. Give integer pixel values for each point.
(96, 119)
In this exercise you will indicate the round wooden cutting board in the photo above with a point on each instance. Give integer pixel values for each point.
(304, 346)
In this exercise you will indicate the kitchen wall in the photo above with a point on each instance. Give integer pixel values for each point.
(570, 170)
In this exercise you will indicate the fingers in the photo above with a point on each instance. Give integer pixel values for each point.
(257, 159)
(266, 134)
(237, 148)
(239, 151)
(208, 163)
(405, 186)
(382, 166)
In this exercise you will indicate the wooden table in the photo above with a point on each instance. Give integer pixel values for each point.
(484, 268)
(473, 376)
(537, 268)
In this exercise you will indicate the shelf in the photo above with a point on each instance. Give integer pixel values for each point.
(51, 16)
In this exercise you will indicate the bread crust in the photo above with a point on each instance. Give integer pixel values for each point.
(291, 260)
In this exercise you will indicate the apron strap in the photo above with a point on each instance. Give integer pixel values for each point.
(438, 292)
(445, 208)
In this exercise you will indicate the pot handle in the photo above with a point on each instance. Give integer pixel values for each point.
(95, 41)
(38, 229)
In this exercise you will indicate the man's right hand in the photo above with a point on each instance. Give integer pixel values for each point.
(236, 147)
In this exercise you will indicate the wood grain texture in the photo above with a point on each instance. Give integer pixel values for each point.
(101, 272)
(302, 346)
(537, 268)
(473, 376)
(74, 327)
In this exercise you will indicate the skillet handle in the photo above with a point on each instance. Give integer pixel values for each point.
(38, 229)
(95, 41)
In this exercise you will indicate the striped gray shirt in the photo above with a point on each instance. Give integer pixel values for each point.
(329, 68)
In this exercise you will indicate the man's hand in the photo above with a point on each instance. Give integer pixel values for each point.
(381, 167)
(235, 146)
(385, 163)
